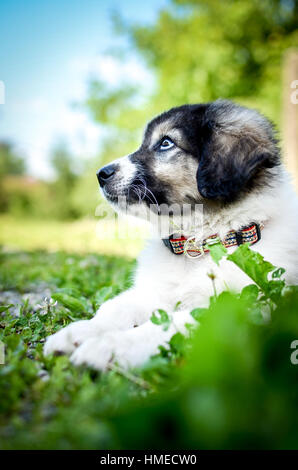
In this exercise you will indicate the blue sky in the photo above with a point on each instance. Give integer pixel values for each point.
(48, 49)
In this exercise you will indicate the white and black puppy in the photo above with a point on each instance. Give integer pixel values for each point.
(224, 157)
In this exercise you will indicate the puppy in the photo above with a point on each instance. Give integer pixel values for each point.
(219, 156)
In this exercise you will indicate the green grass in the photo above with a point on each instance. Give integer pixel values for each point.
(28, 401)
(79, 236)
(232, 385)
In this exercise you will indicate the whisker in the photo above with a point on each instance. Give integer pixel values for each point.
(153, 199)
(142, 191)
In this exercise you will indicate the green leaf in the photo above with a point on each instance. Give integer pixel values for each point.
(177, 343)
(217, 252)
(70, 302)
(177, 305)
(256, 314)
(250, 296)
(253, 264)
(278, 273)
(275, 288)
(249, 293)
(160, 317)
(198, 313)
(103, 294)
(4, 308)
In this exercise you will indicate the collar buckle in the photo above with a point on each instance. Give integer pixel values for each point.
(192, 249)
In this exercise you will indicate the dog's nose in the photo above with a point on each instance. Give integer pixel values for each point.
(105, 173)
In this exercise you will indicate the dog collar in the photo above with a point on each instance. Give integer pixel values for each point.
(189, 246)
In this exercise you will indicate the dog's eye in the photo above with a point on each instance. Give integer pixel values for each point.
(166, 144)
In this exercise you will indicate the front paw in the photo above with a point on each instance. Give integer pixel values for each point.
(66, 340)
(123, 348)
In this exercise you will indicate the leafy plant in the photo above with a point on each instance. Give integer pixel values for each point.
(230, 385)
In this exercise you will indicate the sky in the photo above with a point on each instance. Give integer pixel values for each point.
(48, 51)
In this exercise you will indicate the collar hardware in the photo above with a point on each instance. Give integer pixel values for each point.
(212, 241)
(239, 237)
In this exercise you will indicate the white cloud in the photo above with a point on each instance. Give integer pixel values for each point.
(114, 71)
(77, 129)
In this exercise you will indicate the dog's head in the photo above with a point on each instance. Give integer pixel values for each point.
(195, 154)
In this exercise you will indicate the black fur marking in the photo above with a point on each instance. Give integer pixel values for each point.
(227, 171)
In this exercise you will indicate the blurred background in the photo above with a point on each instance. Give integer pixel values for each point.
(81, 79)
(78, 82)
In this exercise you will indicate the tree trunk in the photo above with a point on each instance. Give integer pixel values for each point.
(290, 113)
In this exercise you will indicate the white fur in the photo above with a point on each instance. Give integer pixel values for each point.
(122, 332)
(128, 171)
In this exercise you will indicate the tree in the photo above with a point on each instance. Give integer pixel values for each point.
(66, 177)
(201, 50)
(10, 162)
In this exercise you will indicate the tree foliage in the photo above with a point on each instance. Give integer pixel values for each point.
(10, 162)
(201, 50)
(66, 178)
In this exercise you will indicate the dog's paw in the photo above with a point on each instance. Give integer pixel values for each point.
(123, 348)
(66, 340)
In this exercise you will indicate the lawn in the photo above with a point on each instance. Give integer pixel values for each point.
(79, 236)
(232, 385)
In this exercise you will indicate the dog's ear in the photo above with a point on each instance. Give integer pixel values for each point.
(233, 160)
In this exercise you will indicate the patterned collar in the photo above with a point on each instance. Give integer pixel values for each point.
(189, 246)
